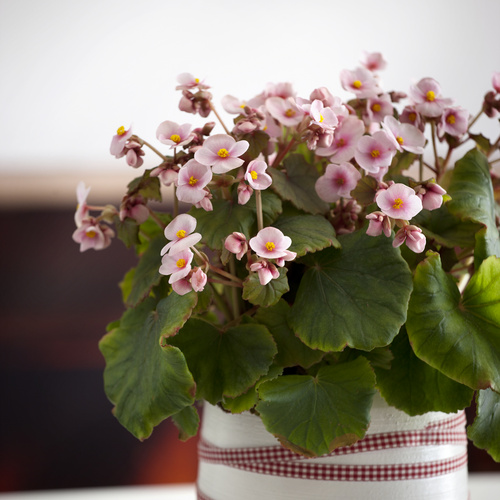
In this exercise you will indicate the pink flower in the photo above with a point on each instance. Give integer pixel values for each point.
(413, 237)
(270, 243)
(233, 105)
(323, 116)
(221, 152)
(426, 95)
(345, 138)
(236, 243)
(180, 232)
(454, 121)
(373, 61)
(379, 107)
(118, 142)
(244, 193)
(192, 179)
(182, 286)
(379, 223)
(431, 195)
(256, 175)
(195, 280)
(495, 81)
(92, 234)
(324, 95)
(337, 182)
(168, 176)
(375, 152)
(187, 81)
(133, 154)
(198, 280)
(82, 209)
(265, 270)
(176, 265)
(411, 116)
(205, 202)
(399, 202)
(404, 136)
(134, 208)
(360, 82)
(289, 256)
(285, 111)
(174, 135)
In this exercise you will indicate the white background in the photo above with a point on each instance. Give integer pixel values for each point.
(73, 71)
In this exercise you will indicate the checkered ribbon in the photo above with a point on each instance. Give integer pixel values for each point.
(278, 461)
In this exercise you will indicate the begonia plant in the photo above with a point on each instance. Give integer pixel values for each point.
(314, 252)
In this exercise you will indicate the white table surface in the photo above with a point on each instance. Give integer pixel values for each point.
(482, 487)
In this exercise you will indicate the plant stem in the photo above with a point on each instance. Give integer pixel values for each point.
(421, 168)
(234, 292)
(475, 119)
(225, 283)
(283, 153)
(163, 157)
(227, 275)
(156, 219)
(258, 205)
(176, 203)
(212, 107)
(221, 303)
(434, 148)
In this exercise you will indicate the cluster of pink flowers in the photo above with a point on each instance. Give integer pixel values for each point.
(349, 141)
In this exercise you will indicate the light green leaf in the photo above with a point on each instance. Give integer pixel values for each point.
(415, 387)
(296, 184)
(460, 336)
(314, 415)
(309, 233)
(225, 362)
(356, 296)
(485, 431)
(265, 295)
(187, 421)
(147, 382)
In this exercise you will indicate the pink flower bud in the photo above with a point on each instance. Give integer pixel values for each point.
(413, 237)
(265, 270)
(237, 243)
(244, 193)
(198, 280)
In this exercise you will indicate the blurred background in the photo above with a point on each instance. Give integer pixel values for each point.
(72, 72)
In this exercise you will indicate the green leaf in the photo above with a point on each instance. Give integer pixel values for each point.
(485, 431)
(365, 190)
(447, 229)
(225, 362)
(356, 296)
(147, 382)
(291, 350)
(460, 336)
(187, 421)
(258, 142)
(146, 274)
(265, 295)
(271, 206)
(146, 186)
(472, 196)
(482, 142)
(309, 233)
(314, 415)
(401, 161)
(226, 218)
(415, 387)
(296, 184)
(127, 231)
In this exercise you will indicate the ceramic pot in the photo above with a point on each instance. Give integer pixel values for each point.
(401, 457)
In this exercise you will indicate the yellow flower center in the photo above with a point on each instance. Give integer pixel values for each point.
(176, 138)
(430, 96)
(289, 112)
(196, 80)
(91, 234)
(270, 246)
(400, 140)
(254, 175)
(181, 263)
(450, 119)
(398, 203)
(340, 142)
(376, 107)
(412, 117)
(223, 153)
(192, 181)
(375, 153)
(357, 84)
(121, 130)
(321, 118)
(181, 233)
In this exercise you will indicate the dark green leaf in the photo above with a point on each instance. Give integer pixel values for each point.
(309, 233)
(127, 231)
(460, 336)
(225, 363)
(355, 296)
(265, 295)
(296, 183)
(314, 415)
(271, 206)
(365, 190)
(472, 196)
(258, 143)
(415, 387)
(147, 382)
(146, 186)
(291, 350)
(485, 431)
(187, 421)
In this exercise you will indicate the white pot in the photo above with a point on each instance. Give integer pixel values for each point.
(401, 458)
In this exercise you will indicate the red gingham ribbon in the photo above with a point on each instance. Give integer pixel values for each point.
(276, 460)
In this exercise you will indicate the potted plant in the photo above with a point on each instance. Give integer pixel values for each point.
(317, 253)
